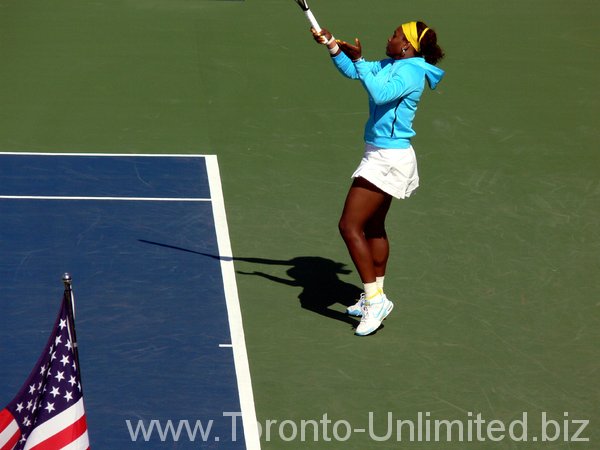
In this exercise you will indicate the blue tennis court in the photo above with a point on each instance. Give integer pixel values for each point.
(158, 321)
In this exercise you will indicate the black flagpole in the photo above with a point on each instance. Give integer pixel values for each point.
(71, 317)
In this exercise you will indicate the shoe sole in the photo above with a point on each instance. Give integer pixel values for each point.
(389, 310)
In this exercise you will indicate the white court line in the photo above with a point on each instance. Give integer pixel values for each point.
(238, 341)
(119, 199)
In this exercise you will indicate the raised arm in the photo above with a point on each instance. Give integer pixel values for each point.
(343, 54)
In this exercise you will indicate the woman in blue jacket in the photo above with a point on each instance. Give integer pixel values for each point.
(388, 168)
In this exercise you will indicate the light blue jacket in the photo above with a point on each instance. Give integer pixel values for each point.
(394, 88)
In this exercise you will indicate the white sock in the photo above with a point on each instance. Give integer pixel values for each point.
(379, 281)
(371, 290)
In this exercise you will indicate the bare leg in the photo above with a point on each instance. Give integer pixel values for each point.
(361, 227)
(377, 238)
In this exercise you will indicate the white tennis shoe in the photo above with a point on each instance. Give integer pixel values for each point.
(373, 313)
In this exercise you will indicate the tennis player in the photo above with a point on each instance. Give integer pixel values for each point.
(388, 168)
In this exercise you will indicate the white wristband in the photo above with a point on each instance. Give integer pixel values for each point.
(330, 41)
(334, 50)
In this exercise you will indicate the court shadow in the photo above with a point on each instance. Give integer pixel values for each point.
(317, 277)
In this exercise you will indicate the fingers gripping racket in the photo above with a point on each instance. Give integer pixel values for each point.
(309, 15)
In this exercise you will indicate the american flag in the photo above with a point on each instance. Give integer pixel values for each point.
(48, 412)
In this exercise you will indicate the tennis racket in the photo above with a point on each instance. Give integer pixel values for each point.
(309, 15)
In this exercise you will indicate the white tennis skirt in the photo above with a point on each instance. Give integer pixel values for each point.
(394, 171)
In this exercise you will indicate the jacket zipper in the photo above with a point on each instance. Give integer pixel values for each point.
(395, 117)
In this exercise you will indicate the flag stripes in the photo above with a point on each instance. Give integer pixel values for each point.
(9, 430)
(60, 431)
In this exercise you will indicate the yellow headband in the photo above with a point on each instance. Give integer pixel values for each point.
(410, 31)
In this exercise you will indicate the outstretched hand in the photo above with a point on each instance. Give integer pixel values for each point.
(321, 37)
(354, 52)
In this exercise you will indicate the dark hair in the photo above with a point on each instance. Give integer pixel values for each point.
(430, 50)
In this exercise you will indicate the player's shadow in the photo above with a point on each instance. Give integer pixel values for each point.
(317, 277)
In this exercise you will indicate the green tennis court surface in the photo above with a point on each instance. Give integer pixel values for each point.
(494, 260)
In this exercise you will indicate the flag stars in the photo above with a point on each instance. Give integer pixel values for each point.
(32, 389)
(64, 360)
(59, 376)
(72, 381)
(19, 407)
(29, 405)
(69, 345)
(55, 391)
(68, 396)
(62, 324)
(26, 421)
(49, 407)
(58, 340)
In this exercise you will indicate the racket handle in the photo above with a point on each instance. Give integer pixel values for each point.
(312, 20)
